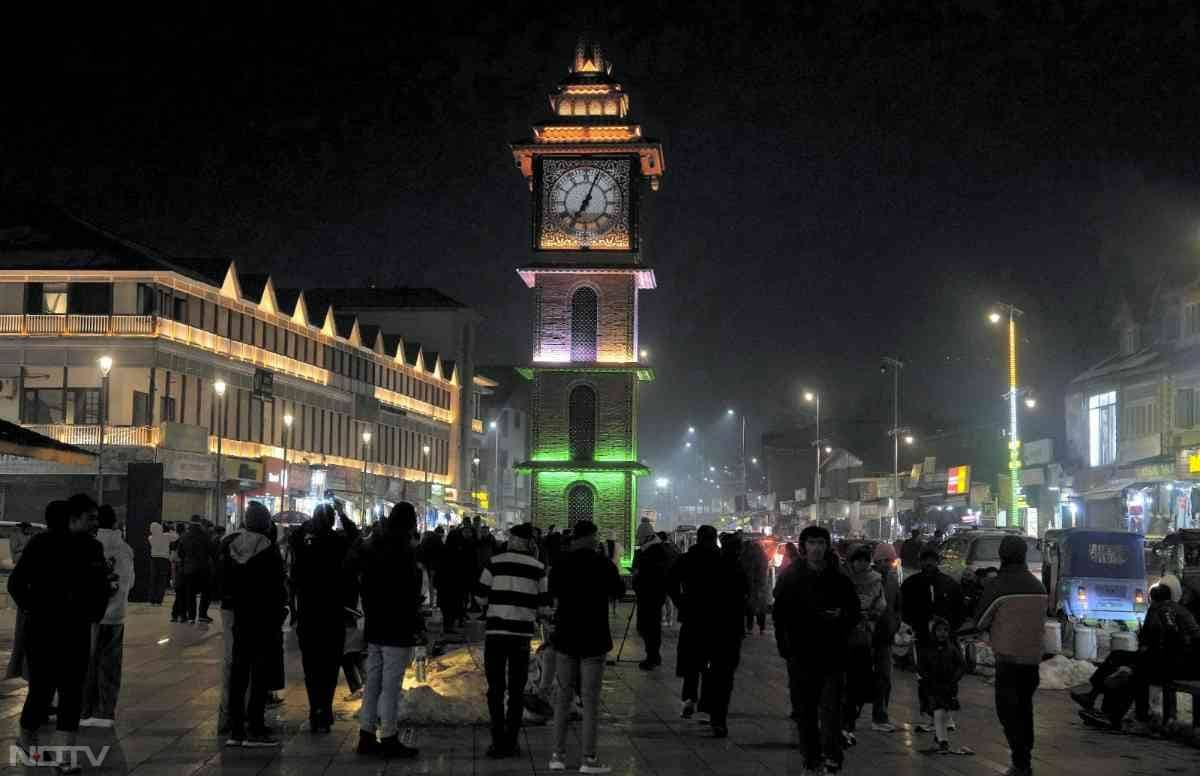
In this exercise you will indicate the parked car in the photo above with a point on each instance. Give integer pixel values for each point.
(7, 530)
(1095, 575)
(979, 549)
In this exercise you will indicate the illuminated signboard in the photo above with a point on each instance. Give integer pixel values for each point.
(958, 480)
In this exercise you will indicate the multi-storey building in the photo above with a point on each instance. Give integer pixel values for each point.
(506, 410)
(1133, 421)
(353, 408)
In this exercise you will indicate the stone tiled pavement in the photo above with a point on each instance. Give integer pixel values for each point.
(166, 724)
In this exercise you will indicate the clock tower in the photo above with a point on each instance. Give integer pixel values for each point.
(587, 165)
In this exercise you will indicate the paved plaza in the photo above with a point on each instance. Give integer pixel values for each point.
(167, 724)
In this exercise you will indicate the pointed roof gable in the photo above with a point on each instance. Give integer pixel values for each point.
(371, 337)
(431, 362)
(252, 285)
(393, 346)
(450, 371)
(231, 288)
(412, 353)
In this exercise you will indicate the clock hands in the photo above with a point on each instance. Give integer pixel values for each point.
(587, 200)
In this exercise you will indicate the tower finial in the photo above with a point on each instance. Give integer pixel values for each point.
(589, 58)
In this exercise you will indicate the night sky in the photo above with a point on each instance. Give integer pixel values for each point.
(844, 179)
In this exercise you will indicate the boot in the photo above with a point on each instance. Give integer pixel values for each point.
(367, 743)
(391, 747)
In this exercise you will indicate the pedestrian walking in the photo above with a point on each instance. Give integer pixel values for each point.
(514, 591)
(1013, 609)
(941, 667)
(390, 581)
(815, 610)
(62, 586)
(910, 553)
(923, 596)
(450, 578)
(651, 566)
(758, 595)
(322, 592)
(103, 683)
(160, 563)
(884, 562)
(861, 685)
(195, 560)
(254, 572)
(583, 582)
(709, 590)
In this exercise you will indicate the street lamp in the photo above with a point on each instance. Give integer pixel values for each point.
(745, 475)
(1031, 402)
(691, 429)
(105, 363)
(687, 445)
(287, 439)
(219, 389)
(644, 353)
(366, 438)
(425, 459)
(815, 398)
(1014, 439)
(494, 426)
(897, 366)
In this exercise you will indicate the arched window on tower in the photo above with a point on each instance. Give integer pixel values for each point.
(583, 325)
(581, 423)
(581, 504)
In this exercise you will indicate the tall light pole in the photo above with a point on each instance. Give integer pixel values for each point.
(815, 398)
(745, 474)
(1014, 439)
(425, 459)
(219, 389)
(105, 363)
(494, 426)
(366, 438)
(475, 477)
(896, 365)
(287, 438)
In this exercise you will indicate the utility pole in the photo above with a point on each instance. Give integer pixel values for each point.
(896, 365)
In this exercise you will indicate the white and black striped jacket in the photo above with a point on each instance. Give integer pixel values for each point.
(515, 589)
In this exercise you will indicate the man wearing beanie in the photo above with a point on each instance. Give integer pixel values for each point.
(816, 608)
(1013, 608)
(254, 570)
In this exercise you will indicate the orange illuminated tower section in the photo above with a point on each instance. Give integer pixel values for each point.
(586, 166)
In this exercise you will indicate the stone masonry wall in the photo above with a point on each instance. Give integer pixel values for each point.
(616, 310)
(612, 510)
(615, 413)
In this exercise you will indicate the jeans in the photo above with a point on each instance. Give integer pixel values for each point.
(649, 624)
(226, 668)
(506, 663)
(252, 652)
(354, 666)
(816, 703)
(1015, 685)
(882, 657)
(385, 680)
(549, 658)
(192, 584)
(321, 643)
(586, 672)
(58, 661)
(104, 672)
(160, 574)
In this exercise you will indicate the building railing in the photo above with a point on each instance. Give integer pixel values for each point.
(88, 325)
(89, 435)
(131, 324)
(45, 324)
(12, 324)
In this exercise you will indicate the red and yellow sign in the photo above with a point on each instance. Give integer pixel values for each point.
(958, 480)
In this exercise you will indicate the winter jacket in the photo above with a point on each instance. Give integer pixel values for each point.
(651, 566)
(584, 581)
(62, 579)
(1013, 608)
(515, 590)
(254, 571)
(644, 532)
(924, 596)
(753, 561)
(223, 589)
(872, 600)
(941, 665)
(118, 558)
(17, 544)
(429, 553)
(390, 581)
(160, 543)
(1171, 638)
(319, 576)
(814, 614)
(195, 551)
(910, 553)
(709, 590)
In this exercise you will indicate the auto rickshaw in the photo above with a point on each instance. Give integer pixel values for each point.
(1092, 575)
(1179, 556)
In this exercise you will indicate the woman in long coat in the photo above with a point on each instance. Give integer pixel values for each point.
(758, 597)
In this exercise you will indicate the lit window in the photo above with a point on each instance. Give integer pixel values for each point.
(54, 299)
(1102, 428)
(580, 504)
(583, 325)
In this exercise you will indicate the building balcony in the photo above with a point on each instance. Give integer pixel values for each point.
(93, 325)
(89, 435)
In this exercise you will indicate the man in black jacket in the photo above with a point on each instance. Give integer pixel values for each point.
(650, 567)
(390, 580)
(709, 589)
(584, 582)
(254, 573)
(195, 563)
(322, 592)
(924, 596)
(62, 587)
(816, 608)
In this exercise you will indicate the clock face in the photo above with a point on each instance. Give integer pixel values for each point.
(585, 204)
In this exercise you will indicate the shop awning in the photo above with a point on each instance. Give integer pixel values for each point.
(23, 443)
(1111, 489)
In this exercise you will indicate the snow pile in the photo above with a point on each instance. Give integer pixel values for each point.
(1062, 673)
(455, 692)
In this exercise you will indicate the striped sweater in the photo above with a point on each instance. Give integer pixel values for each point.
(515, 589)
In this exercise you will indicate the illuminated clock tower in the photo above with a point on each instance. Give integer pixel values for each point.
(586, 166)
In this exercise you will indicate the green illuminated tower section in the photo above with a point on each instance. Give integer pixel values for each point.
(587, 165)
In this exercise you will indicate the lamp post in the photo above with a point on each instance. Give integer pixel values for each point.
(366, 438)
(815, 398)
(1014, 439)
(219, 389)
(474, 478)
(494, 426)
(287, 439)
(425, 458)
(896, 365)
(105, 363)
(745, 474)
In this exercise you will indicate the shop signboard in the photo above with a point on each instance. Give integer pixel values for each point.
(1189, 463)
(1034, 476)
(242, 469)
(1155, 472)
(958, 480)
(1037, 453)
(195, 467)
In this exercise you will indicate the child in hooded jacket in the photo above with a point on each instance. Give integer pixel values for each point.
(941, 667)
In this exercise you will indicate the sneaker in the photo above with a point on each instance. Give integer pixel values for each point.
(367, 743)
(354, 696)
(593, 765)
(849, 739)
(99, 722)
(703, 717)
(923, 728)
(883, 727)
(558, 761)
(260, 740)
(235, 740)
(688, 710)
(205, 620)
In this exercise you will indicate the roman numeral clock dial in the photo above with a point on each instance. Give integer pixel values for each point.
(585, 204)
